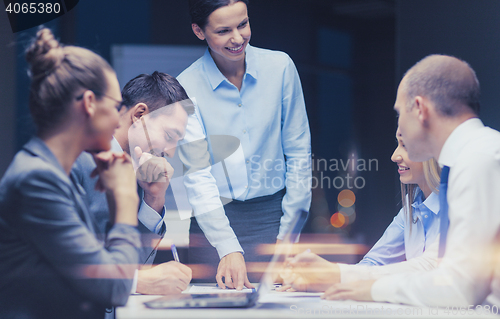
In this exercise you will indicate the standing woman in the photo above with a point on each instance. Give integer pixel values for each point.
(51, 264)
(254, 95)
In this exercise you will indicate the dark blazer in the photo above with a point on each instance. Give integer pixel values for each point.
(98, 206)
(51, 264)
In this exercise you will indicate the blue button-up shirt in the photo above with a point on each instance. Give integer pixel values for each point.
(269, 120)
(398, 243)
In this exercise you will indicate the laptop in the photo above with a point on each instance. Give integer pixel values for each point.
(237, 299)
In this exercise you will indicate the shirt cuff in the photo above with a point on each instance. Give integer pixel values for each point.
(345, 275)
(350, 273)
(229, 246)
(384, 289)
(150, 218)
(134, 282)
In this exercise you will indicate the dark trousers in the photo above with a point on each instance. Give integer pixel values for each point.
(255, 222)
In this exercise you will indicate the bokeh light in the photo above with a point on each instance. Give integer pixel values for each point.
(351, 218)
(346, 198)
(347, 211)
(338, 220)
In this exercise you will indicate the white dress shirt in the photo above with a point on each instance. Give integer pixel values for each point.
(464, 275)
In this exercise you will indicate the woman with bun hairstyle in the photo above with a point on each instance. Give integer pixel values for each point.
(51, 264)
(254, 95)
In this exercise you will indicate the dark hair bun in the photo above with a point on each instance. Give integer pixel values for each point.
(45, 54)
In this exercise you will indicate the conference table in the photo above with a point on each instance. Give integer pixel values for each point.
(277, 305)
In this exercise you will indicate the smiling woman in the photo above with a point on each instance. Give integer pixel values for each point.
(414, 177)
(408, 243)
(255, 96)
(227, 33)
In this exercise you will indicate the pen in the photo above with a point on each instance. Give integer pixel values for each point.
(174, 253)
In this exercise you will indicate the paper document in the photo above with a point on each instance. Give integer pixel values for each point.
(214, 290)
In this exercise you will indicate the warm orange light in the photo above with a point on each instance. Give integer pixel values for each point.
(337, 220)
(317, 248)
(346, 198)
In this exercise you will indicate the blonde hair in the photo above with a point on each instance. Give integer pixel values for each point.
(57, 72)
(432, 173)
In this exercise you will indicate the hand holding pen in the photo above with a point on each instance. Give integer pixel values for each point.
(166, 278)
(174, 253)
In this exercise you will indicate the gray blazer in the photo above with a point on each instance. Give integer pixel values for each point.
(51, 264)
(98, 206)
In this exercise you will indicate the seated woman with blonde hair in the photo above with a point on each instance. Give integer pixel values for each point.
(51, 263)
(409, 242)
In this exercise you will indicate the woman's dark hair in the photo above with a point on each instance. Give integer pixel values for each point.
(199, 10)
(57, 72)
(156, 91)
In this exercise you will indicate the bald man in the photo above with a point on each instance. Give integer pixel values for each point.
(438, 106)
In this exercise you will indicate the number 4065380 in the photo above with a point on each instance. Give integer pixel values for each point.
(33, 7)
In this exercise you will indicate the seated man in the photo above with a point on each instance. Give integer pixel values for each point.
(438, 107)
(152, 122)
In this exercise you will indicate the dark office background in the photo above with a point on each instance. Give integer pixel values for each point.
(350, 55)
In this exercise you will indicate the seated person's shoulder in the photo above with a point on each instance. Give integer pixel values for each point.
(482, 148)
(33, 176)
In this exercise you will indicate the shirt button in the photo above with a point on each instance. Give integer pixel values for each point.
(426, 216)
(246, 186)
(248, 161)
(239, 105)
(244, 131)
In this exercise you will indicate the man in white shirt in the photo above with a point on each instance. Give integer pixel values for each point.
(438, 106)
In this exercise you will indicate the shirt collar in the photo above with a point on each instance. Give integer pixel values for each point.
(251, 61)
(431, 202)
(215, 77)
(457, 140)
(115, 146)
